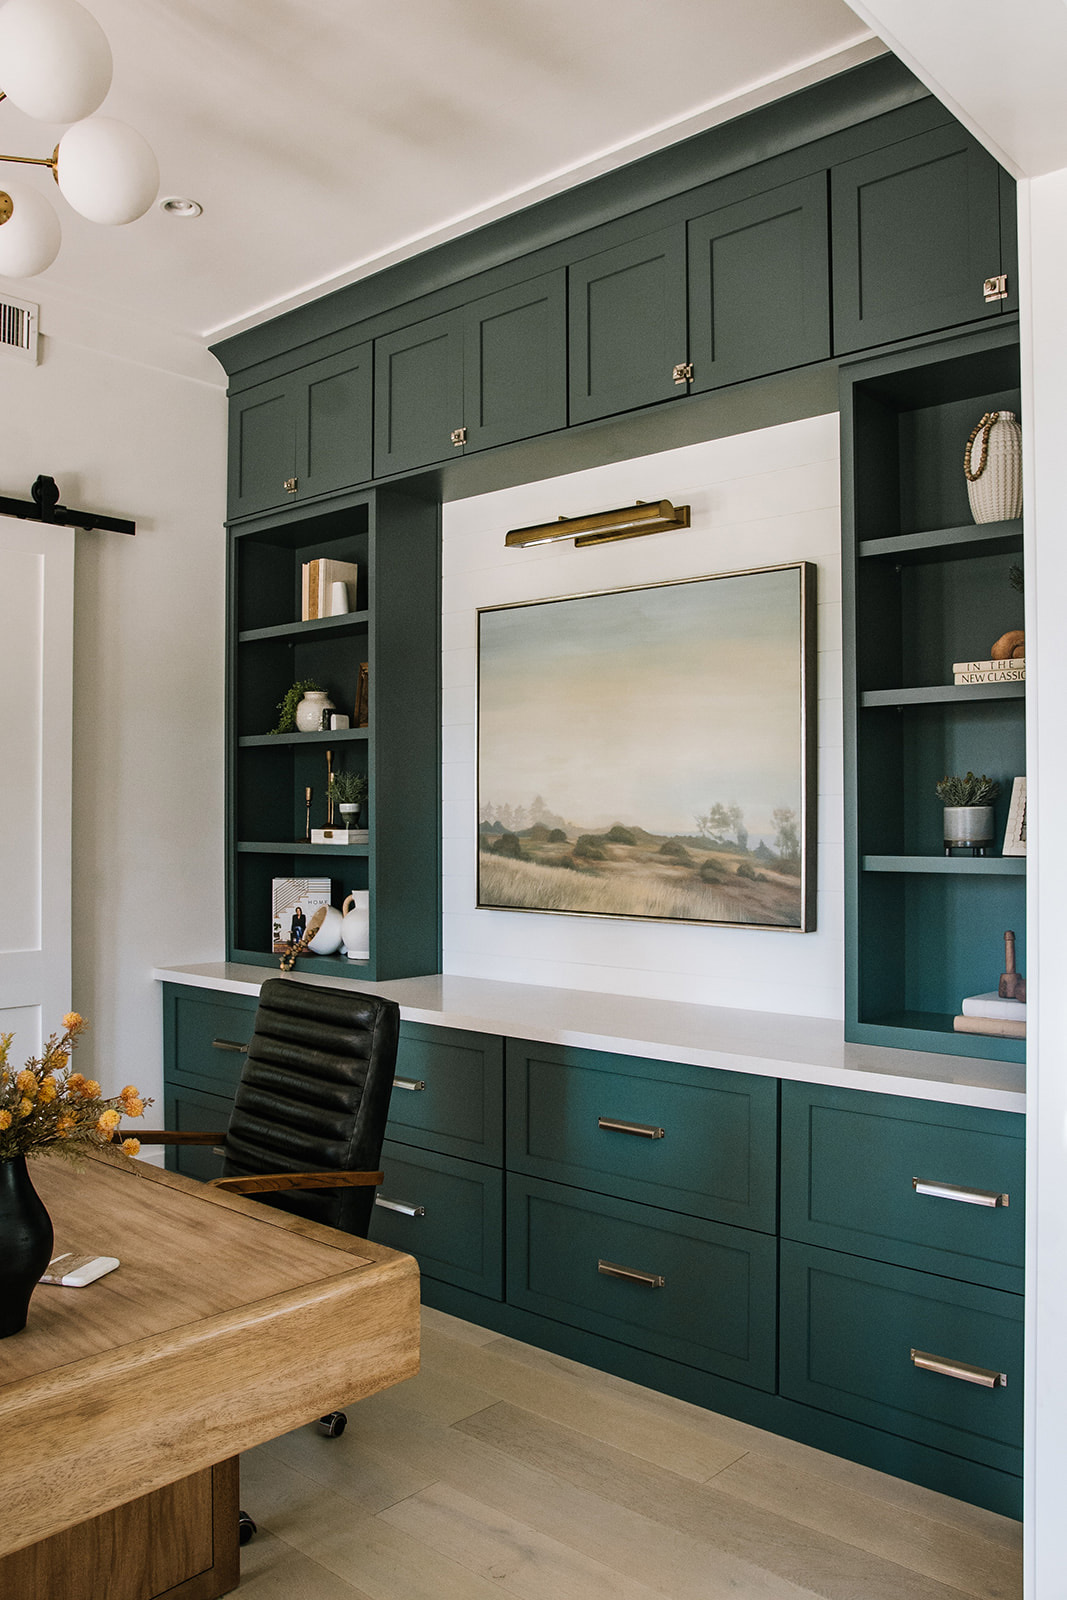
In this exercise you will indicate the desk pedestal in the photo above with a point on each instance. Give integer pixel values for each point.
(180, 1541)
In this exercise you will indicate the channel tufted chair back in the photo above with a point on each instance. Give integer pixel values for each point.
(314, 1095)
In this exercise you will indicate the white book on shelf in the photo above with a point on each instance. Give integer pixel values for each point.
(992, 1005)
(987, 666)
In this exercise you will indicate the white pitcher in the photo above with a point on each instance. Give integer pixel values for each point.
(355, 929)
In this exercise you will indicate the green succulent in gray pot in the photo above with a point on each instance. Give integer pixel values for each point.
(968, 803)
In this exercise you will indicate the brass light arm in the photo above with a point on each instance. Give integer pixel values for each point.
(38, 161)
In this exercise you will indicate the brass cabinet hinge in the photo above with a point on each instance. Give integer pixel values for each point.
(289, 485)
(459, 436)
(995, 288)
(683, 372)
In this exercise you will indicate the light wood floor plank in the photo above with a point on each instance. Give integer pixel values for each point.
(828, 1566)
(455, 1328)
(273, 1570)
(983, 1566)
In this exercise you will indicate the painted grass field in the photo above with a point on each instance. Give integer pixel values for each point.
(638, 881)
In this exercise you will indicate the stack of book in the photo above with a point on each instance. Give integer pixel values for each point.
(989, 1014)
(316, 587)
(989, 671)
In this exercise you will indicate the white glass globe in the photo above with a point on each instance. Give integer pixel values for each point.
(29, 239)
(55, 63)
(107, 171)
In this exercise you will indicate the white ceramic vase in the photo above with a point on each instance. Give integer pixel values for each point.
(309, 710)
(355, 929)
(996, 492)
(326, 940)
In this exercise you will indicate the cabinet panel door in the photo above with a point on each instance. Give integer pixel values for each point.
(848, 1165)
(660, 1132)
(418, 393)
(205, 1033)
(262, 447)
(916, 231)
(848, 1329)
(759, 285)
(691, 1290)
(188, 1111)
(448, 1093)
(515, 363)
(627, 325)
(334, 423)
(448, 1214)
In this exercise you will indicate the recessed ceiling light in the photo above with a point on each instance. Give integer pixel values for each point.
(175, 207)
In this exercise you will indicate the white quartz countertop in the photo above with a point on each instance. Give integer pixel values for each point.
(807, 1049)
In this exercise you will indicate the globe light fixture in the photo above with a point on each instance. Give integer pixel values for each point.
(55, 65)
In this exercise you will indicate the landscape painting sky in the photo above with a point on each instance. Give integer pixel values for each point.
(647, 705)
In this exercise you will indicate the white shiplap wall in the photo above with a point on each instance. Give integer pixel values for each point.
(758, 498)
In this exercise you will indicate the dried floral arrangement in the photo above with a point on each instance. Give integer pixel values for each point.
(45, 1106)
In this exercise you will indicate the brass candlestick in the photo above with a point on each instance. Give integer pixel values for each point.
(329, 788)
(307, 815)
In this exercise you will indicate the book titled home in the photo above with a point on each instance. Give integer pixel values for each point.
(316, 579)
(292, 902)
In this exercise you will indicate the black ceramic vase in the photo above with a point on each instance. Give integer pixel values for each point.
(25, 1243)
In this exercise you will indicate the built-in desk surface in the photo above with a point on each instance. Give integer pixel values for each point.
(807, 1049)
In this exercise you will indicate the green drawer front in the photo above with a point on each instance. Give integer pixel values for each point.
(189, 1111)
(200, 1027)
(456, 1231)
(718, 1154)
(848, 1329)
(848, 1161)
(714, 1310)
(448, 1092)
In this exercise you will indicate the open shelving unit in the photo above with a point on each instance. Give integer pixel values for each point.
(923, 586)
(394, 537)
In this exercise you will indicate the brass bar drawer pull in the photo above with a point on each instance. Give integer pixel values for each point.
(611, 1269)
(229, 1044)
(402, 1206)
(956, 1191)
(415, 1084)
(959, 1369)
(643, 1130)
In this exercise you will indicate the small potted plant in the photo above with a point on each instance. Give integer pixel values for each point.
(349, 790)
(968, 803)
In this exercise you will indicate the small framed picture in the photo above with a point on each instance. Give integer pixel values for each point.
(1015, 832)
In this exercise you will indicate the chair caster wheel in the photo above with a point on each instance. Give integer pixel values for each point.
(245, 1527)
(333, 1424)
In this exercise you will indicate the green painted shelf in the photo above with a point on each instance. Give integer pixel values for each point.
(256, 847)
(318, 627)
(947, 544)
(979, 866)
(337, 736)
(942, 694)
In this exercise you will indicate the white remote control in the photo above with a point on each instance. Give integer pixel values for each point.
(74, 1271)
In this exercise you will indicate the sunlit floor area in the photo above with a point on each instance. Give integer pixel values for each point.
(505, 1470)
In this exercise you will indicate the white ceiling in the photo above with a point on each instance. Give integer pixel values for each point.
(325, 138)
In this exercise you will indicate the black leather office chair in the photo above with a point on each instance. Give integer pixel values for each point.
(308, 1121)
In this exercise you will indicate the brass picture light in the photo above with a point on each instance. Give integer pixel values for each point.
(627, 522)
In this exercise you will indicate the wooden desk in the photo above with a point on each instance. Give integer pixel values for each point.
(123, 1406)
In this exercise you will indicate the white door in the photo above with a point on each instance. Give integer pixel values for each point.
(36, 683)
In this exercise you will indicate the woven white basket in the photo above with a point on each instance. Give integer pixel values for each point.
(996, 494)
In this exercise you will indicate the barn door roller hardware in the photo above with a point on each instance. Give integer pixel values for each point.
(45, 507)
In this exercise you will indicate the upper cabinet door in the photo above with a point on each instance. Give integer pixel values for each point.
(333, 422)
(759, 285)
(916, 231)
(515, 363)
(418, 394)
(262, 447)
(306, 433)
(627, 326)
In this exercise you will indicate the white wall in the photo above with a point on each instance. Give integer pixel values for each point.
(127, 438)
(1043, 242)
(757, 499)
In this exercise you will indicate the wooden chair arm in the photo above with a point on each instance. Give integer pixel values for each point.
(263, 1183)
(166, 1136)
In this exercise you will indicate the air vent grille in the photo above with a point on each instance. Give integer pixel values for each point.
(18, 328)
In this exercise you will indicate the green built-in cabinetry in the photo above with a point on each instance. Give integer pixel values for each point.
(924, 587)
(393, 538)
(841, 1266)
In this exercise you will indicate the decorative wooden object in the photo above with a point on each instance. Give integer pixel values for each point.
(196, 1348)
(1012, 983)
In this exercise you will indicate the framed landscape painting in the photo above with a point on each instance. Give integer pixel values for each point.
(650, 753)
